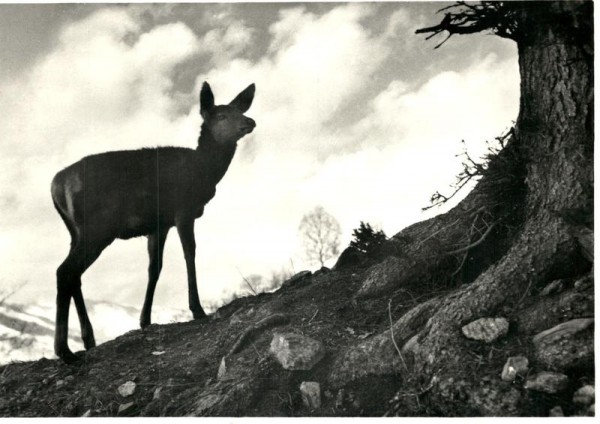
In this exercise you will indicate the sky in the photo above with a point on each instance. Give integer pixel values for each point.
(354, 112)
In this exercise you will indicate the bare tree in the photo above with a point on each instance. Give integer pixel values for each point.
(320, 233)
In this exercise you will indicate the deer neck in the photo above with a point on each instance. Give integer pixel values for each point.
(216, 156)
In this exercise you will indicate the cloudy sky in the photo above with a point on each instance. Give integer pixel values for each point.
(354, 111)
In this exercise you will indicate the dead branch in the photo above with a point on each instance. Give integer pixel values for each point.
(392, 334)
(475, 244)
(496, 17)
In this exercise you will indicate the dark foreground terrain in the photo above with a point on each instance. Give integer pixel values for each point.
(225, 365)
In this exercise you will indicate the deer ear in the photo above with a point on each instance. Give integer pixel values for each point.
(207, 99)
(243, 101)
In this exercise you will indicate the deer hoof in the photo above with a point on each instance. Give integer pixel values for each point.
(88, 344)
(199, 315)
(68, 357)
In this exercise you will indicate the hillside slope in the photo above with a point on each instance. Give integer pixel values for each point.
(179, 369)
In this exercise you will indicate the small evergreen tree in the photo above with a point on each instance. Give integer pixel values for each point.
(366, 239)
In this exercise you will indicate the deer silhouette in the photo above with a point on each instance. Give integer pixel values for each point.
(125, 194)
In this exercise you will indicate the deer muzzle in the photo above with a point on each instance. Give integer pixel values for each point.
(248, 126)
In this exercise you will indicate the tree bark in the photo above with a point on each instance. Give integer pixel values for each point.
(553, 138)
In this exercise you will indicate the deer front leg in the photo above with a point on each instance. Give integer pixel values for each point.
(156, 246)
(185, 229)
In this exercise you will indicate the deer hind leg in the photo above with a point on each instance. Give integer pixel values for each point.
(69, 286)
(87, 332)
(185, 229)
(156, 245)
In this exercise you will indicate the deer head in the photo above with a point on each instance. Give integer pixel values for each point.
(226, 124)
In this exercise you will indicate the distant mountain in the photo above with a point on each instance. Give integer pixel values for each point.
(27, 331)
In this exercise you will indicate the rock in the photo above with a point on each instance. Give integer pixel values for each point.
(296, 352)
(124, 408)
(556, 412)
(339, 399)
(350, 257)
(156, 394)
(567, 345)
(297, 278)
(549, 311)
(374, 356)
(584, 395)
(495, 399)
(381, 278)
(554, 287)
(515, 365)
(584, 283)
(322, 270)
(87, 413)
(547, 382)
(311, 394)
(486, 329)
(127, 388)
(222, 369)
(60, 383)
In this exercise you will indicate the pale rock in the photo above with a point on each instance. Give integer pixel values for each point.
(126, 389)
(311, 394)
(296, 352)
(554, 287)
(222, 369)
(547, 382)
(124, 407)
(556, 412)
(567, 345)
(156, 394)
(584, 395)
(515, 365)
(486, 329)
(87, 413)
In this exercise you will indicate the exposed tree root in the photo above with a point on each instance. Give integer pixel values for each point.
(270, 321)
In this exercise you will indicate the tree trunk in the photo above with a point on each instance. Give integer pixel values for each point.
(553, 139)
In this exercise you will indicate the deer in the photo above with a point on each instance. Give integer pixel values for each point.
(145, 192)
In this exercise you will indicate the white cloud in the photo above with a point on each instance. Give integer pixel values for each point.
(106, 87)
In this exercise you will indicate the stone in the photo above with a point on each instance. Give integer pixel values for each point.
(547, 382)
(126, 389)
(495, 399)
(566, 346)
(322, 270)
(87, 413)
(486, 329)
(296, 352)
(554, 287)
(556, 412)
(381, 278)
(124, 408)
(349, 257)
(222, 369)
(339, 399)
(515, 365)
(299, 277)
(375, 356)
(584, 395)
(60, 383)
(156, 394)
(311, 394)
